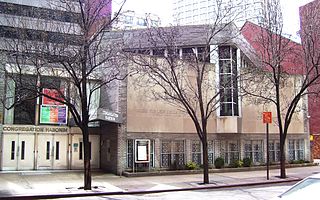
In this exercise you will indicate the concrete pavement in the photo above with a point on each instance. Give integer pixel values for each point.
(53, 184)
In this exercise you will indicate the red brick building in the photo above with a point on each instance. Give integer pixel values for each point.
(310, 34)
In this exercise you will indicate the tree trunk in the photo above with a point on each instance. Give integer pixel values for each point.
(205, 159)
(282, 157)
(87, 155)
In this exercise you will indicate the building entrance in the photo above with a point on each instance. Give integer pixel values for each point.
(52, 151)
(17, 151)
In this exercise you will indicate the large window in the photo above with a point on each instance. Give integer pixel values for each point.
(172, 154)
(230, 151)
(24, 93)
(228, 81)
(254, 150)
(274, 151)
(296, 149)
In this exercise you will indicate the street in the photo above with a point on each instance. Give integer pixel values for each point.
(246, 193)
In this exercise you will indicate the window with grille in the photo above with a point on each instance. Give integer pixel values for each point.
(254, 150)
(172, 153)
(296, 149)
(274, 151)
(196, 152)
(229, 150)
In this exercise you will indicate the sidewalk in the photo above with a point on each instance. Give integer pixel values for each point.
(38, 184)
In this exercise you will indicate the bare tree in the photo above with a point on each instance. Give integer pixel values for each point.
(74, 60)
(186, 79)
(283, 77)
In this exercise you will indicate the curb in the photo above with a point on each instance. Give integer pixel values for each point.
(222, 170)
(205, 187)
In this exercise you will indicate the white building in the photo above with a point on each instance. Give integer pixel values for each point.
(132, 20)
(187, 12)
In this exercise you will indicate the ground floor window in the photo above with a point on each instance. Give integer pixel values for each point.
(254, 150)
(296, 149)
(274, 151)
(196, 152)
(130, 153)
(172, 154)
(211, 152)
(229, 150)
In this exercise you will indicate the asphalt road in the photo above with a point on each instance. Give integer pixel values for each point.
(247, 193)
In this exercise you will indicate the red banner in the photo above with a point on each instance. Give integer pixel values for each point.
(52, 93)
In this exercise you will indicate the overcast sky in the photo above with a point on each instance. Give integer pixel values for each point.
(163, 8)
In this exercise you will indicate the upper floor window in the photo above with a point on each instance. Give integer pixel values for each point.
(228, 81)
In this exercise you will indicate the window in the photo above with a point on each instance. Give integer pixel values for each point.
(172, 154)
(187, 53)
(128, 19)
(80, 151)
(25, 88)
(130, 159)
(203, 54)
(296, 149)
(48, 150)
(228, 81)
(57, 150)
(230, 151)
(254, 150)
(142, 22)
(211, 156)
(196, 152)
(23, 146)
(13, 148)
(274, 151)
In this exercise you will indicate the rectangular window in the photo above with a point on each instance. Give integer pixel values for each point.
(228, 81)
(211, 156)
(48, 150)
(254, 150)
(25, 90)
(165, 154)
(23, 146)
(172, 154)
(151, 153)
(230, 151)
(13, 148)
(188, 53)
(296, 149)
(130, 153)
(196, 152)
(57, 150)
(80, 151)
(203, 54)
(274, 151)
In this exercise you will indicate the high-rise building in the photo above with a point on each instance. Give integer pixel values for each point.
(205, 11)
(132, 20)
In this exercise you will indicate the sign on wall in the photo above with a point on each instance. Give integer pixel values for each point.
(142, 151)
(51, 114)
(51, 111)
(52, 93)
